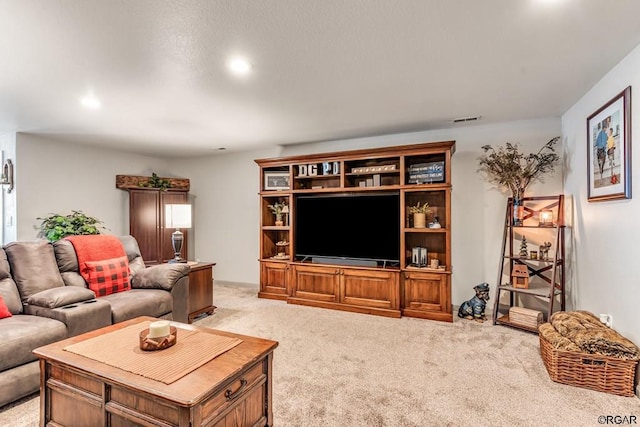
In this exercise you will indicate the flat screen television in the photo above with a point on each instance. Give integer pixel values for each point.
(352, 226)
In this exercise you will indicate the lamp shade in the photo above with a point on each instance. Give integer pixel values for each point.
(177, 216)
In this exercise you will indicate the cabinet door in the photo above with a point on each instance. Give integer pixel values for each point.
(273, 278)
(370, 288)
(144, 223)
(426, 293)
(316, 283)
(166, 247)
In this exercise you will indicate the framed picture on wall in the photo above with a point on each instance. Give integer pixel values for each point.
(609, 149)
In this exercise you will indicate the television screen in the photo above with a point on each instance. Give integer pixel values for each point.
(356, 226)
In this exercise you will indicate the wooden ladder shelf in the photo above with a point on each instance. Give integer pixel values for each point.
(544, 289)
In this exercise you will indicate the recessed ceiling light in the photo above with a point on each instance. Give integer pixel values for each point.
(90, 101)
(239, 66)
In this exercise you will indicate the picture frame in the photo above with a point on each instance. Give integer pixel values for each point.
(276, 180)
(609, 150)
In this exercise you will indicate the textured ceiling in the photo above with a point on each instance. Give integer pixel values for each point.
(323, 69)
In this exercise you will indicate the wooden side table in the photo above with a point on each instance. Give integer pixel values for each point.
(200, 289)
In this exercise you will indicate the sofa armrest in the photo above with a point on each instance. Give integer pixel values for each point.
(162, 276)
(61, 296)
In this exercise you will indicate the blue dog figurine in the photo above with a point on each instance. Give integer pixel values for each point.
(474, 308)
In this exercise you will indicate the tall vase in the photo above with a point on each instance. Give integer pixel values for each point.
(518, 210)
(279, 220)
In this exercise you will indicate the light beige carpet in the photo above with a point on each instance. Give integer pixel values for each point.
(343, 369)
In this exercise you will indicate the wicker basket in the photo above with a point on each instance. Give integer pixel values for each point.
(592, 371)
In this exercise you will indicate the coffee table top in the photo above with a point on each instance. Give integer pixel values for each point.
(186, 391)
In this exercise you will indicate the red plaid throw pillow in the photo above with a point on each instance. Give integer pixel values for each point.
(108, 276)
(4, 310)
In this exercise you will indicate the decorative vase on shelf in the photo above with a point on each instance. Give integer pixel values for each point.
(419, 220)
(279, 221)
(518, 209)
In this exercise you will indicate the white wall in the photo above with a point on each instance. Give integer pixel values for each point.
(8, 147)
(224, 193)
(57, 177)
(604, 272)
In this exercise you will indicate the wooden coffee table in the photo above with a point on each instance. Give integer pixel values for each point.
(232, 389)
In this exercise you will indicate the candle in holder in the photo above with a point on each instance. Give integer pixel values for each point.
(545, 218)
(158, 329)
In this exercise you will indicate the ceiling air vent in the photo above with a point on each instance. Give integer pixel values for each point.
(466, 119)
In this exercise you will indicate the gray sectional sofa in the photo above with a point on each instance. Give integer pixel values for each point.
(49, 301)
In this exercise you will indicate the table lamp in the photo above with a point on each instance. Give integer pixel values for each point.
(177, 216)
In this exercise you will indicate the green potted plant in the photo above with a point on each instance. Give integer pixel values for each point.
(420, 212)
(507, 167)
(56, 226)
(278, 209)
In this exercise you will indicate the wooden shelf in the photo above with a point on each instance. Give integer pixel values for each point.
(545, 276)
(275, 227)
(393, 172)
(426, 230)
(539, 227)
(543, 292)
(274, 193)
(525, 260)
(426, 187)
(427, 270)
(504, 320)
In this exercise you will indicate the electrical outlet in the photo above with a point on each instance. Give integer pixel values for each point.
(607, 319)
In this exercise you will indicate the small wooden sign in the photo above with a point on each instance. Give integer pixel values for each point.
(322, 169)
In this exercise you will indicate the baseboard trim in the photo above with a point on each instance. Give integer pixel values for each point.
(236, 284)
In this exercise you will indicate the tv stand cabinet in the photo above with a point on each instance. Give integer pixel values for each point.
(419, 173)
(359, 289)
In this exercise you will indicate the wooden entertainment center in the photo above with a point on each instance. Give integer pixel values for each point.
(419, 173)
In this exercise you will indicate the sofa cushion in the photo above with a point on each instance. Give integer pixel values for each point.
(10, 294)
(8, 288)
(58, 297)
(65, 256)
(21, 334)
(33, 267)
(108, 276)
(139, 302)
(68, 263)
(4, 310)
(136, 263)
